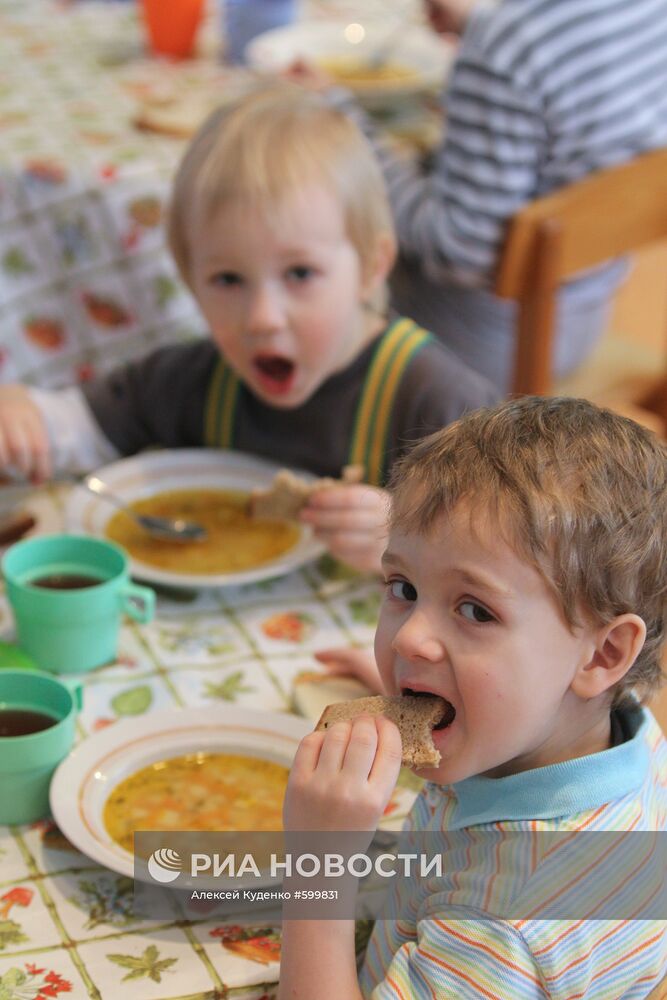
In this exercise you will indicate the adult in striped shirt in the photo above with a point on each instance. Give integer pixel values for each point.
(542, 93)
(526, 575)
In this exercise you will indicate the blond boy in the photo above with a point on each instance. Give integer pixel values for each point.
(281, 227)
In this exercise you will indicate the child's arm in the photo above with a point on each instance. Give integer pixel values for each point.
(347, 661)
(341, 779)
(43, 432)
(351, 520)
(77, 441)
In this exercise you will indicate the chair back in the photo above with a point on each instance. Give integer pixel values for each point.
(606, 215)
(658, 992)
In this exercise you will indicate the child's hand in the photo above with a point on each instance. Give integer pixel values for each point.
(351, 520)
(24, 440)
(350, 662)
(342, 778)
(447, 16)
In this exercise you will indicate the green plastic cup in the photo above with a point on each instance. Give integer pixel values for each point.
(27, 762)
(72, 630)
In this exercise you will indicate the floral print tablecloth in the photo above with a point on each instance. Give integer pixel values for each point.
(67, 926)
(85, 280)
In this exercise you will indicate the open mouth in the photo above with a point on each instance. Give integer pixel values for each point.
(275, 368)
(449, 712)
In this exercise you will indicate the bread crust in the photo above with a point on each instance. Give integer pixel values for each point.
(415, 716)
(289, 493)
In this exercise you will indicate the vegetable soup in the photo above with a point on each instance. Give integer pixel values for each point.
(198, 791)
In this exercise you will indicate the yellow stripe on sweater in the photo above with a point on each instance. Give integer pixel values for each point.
(389, 343)
(378, 444)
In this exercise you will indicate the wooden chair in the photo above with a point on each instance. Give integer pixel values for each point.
(608, 214)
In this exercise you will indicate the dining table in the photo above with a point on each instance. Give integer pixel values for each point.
(92, 127)
(68, 926)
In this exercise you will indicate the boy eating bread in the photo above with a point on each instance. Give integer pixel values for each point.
(526, 585)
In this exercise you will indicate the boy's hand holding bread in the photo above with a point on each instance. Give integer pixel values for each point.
(348, 516)
(345, 771)
(342, 779)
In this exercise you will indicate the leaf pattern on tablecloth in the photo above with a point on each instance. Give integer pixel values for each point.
(106, 900)
(74, 239)
(147, 964)
(229, 689)
(16, 261)
(192, 639)
(365, 610)
(133, 701)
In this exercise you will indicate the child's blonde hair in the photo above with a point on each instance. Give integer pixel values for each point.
(267, 144)
(577, 490)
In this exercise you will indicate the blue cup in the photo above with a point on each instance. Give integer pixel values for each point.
(242, 20)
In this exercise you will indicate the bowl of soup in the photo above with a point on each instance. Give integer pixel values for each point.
(179, 770)
(417, 61)
(208, 486)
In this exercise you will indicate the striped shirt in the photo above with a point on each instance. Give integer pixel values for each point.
(542, 93)
(438, 945)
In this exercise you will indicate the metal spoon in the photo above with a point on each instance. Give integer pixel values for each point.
(168, 528)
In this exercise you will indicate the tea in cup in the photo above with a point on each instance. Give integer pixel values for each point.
(68, 594)
(37, 727)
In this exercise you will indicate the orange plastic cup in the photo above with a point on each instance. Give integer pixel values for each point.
(171, 25)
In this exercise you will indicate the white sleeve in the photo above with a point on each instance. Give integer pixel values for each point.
(77, 443)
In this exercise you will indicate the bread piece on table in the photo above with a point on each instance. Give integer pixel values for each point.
(312, 692)
(289, 493)
(415, 716)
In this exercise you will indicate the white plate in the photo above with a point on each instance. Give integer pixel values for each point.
(186, 468)
(85, 779)
(416, 47)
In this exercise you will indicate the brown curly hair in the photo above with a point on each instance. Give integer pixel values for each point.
(579, 491)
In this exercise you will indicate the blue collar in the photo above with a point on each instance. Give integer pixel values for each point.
(559, 789)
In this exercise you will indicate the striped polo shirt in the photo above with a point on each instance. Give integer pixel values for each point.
(478, 930)
(542, 93)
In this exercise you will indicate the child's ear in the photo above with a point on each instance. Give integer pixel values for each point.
(617, 646)
(376, 270)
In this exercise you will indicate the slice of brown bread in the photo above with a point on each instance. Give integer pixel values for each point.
(415, 716)
(289, 493)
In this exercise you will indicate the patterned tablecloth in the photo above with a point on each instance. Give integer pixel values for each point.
(85, 280)
(66, 925)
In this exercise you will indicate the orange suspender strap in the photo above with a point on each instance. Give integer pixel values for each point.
(393, 354)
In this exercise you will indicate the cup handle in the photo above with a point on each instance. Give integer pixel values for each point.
(138, 602)
(76, 690)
